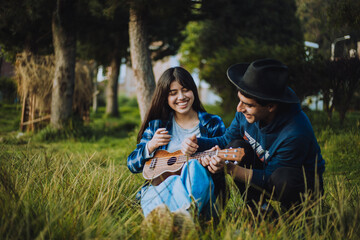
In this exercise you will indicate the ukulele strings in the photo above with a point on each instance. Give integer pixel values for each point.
(162, 161)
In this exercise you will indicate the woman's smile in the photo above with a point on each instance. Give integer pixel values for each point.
(180, 99)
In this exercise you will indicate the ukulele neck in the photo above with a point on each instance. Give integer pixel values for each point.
(184, 158)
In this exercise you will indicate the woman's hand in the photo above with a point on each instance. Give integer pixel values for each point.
(189, 145)
(160, 138)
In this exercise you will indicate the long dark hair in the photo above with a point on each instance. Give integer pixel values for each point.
(159, 108)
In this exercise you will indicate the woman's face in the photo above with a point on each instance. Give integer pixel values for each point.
(180, 99)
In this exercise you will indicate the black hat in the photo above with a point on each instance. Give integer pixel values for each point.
(264, 79)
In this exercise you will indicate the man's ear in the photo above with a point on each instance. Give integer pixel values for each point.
(272, 107)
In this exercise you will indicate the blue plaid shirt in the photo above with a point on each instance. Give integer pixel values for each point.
(210, 126)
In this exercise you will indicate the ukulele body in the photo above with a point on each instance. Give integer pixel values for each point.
(162, 165)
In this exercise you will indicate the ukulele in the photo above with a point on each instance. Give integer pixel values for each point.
(164, 163)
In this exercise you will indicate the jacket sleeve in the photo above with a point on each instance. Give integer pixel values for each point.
(136, 160)
(231, 133)
(216, 127)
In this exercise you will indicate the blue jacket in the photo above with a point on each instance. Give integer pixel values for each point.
(288, 141)
(210, 126)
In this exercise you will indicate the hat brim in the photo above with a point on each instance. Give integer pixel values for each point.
(235, 74)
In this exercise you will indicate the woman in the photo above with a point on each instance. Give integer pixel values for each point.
(175, 113)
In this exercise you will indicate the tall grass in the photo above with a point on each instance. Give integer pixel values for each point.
(67, 196)
(85, 196)
(81, 189)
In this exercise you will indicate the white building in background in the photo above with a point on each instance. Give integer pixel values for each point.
(127, 84)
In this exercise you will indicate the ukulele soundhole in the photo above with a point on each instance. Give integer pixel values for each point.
(171, 161)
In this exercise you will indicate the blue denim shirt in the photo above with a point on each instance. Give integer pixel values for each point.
(210, 126)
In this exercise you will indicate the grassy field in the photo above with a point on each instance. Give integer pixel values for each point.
(75, 185)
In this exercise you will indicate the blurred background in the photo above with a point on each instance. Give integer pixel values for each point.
(63, 59)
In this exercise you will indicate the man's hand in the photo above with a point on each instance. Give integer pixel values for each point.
(160, 138)
(205, 161)
(214, 164)
(189, 145)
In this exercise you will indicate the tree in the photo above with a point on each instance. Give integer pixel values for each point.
(140, 58)
(41, 27)
(112, 86)
(26, 25)
(156, 21)
(323, 21)
(105, 20)
(64, 38)
(343, 79)
(240, 31)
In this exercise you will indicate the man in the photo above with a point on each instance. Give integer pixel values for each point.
(270, 123)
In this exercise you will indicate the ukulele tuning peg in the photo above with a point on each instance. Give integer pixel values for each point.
(230, 147)
(236, 162)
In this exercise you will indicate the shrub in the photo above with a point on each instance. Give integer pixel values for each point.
(8, 90)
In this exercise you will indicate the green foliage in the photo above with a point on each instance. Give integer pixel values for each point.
(125, 101)
(165, 24)
(248, 50)
(345, 13)
(26, 25)
(230, 33)
(8, 89)
(75, 130)
(342, 81)
(224, 23)
(99, 20)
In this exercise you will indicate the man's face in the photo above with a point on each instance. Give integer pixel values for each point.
(253, 111)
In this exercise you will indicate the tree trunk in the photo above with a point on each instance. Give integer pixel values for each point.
(1, 62)
(112, 88)
(64, 40)
(327, 103)
(141, 61)
(95, 90)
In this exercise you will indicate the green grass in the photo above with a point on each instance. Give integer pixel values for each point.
(9, 118)
(78, 186)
